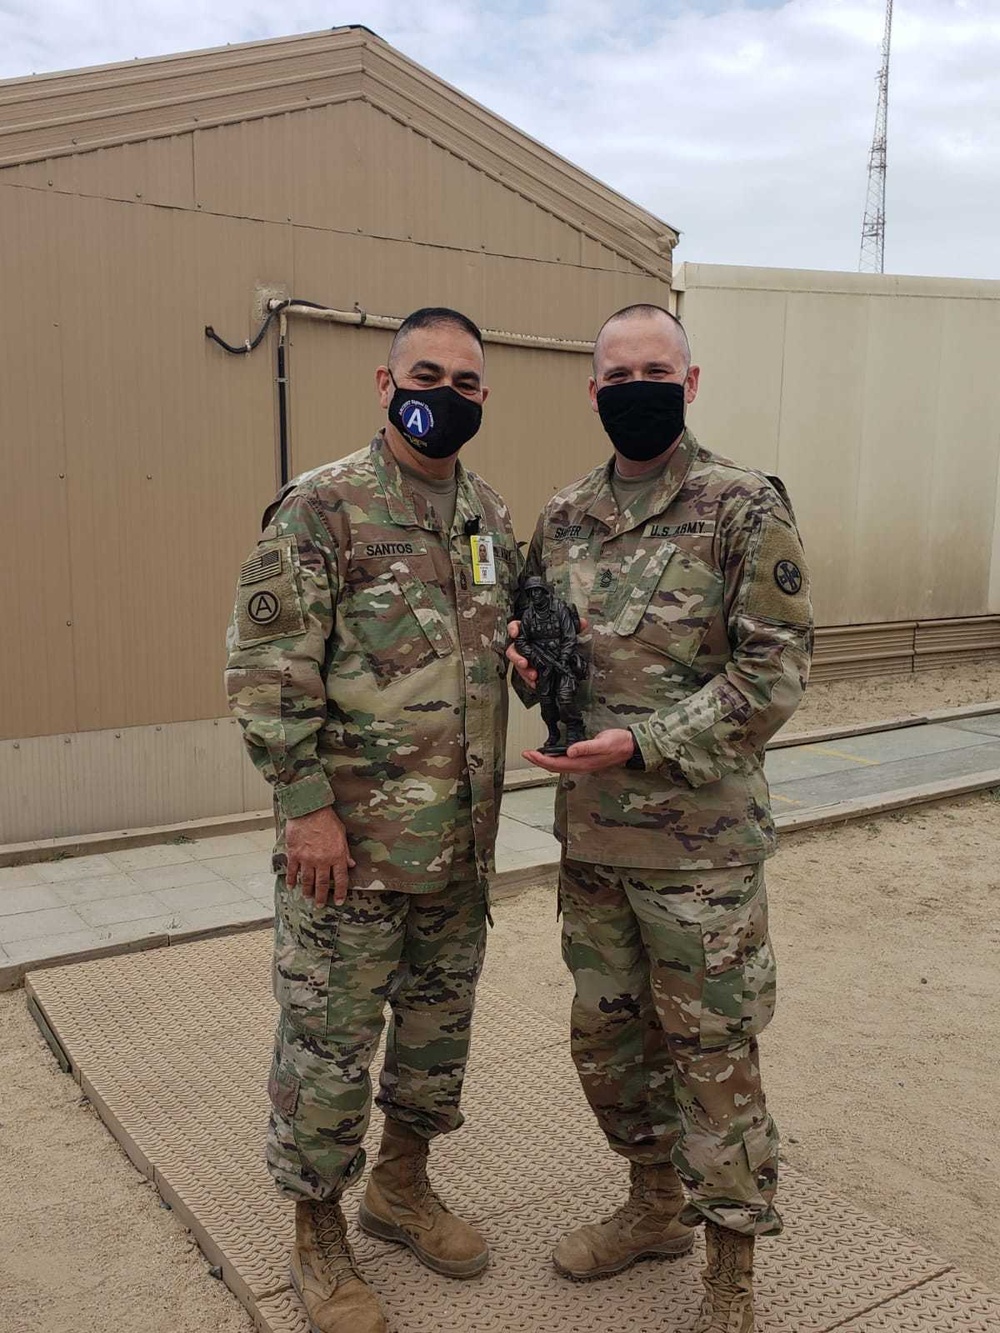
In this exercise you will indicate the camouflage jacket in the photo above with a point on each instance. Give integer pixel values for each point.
(700, 636)
(367, 668)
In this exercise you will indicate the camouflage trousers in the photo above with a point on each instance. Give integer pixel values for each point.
(334, 971)
(674, 978)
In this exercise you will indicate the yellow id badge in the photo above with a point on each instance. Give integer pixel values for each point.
(484, 568)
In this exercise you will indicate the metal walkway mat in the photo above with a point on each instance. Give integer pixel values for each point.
(172, 1048)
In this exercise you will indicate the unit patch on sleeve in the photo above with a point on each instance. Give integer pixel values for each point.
(788, 577)
(267, 603)
(778, 584)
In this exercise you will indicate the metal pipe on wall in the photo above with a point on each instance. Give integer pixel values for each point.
(362, 319)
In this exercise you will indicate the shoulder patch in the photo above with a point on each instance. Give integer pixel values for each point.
(267, 598)
(778, 580)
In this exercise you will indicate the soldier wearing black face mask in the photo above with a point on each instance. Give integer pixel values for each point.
(366, 668)
(690, 573)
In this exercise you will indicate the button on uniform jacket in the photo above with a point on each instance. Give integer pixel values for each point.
(700, 638)
(367, 667)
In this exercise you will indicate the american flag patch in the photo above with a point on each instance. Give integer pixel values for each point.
(262, 566)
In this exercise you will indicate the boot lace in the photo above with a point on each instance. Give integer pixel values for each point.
(423, 1191)
(332, 1249)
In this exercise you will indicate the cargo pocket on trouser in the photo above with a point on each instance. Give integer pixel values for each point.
(738, 990)
(305, 944)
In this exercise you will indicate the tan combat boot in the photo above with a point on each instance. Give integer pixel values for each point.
(400, 1205)
(644, 1227)
(728, 1278)
(336, 1297)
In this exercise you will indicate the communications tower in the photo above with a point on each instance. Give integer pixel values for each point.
(873, 228)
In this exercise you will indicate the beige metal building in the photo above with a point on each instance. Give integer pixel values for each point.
(140, 203)
(877, 400)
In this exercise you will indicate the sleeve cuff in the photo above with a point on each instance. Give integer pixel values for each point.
(303, 797)
(655, 760)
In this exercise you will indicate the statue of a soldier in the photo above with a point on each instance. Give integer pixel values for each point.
(548, 639)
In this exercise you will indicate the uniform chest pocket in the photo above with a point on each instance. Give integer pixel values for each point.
(393, 612)
(672, 600)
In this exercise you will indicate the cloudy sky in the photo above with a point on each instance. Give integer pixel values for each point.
(746, 125)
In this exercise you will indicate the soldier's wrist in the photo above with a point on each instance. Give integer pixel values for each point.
(635, 760)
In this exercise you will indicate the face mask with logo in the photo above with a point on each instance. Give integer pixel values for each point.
(642, 417)
(436, 422)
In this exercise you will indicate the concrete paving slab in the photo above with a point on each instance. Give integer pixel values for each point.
(42, 924)
(530, 805)
(82, 944)
(239, 865)
(888, 747)
(229, 844)
(809, 761)
(986, 726)
(222, 914)
(28, 898)
(173, 876)
(262, 838)
(75, 891)
(258, 885)
(517, 837)
(875, 779)
(117, 911)
(75, 867)
(188, 1109)
(19, 877)
(158, 854)
(188, 898)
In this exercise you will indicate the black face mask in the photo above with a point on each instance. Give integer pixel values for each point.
(642, 417)
(436, 422)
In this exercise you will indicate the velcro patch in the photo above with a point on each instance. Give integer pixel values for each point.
(267, 599)
(779, 581)
(260, 566)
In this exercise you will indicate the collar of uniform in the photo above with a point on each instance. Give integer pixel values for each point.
(604, 507)
(399, 499)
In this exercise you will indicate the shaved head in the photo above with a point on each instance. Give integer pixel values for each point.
(432, 317)
(648, 313)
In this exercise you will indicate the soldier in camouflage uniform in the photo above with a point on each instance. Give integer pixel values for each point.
(367, 667)
(690, 572)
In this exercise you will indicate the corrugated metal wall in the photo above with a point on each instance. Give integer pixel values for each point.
(137, 456)
(877, 401)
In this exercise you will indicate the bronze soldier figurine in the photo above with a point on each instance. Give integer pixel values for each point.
(548, 639)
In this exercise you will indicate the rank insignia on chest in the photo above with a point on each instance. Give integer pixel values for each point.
(484, 569)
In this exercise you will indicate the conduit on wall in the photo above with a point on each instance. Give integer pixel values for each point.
(359, 318)
(363, 319)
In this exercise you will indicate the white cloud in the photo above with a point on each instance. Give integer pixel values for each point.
(746, 125)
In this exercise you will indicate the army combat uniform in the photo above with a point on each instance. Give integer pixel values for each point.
(366, 666)
(700, 635)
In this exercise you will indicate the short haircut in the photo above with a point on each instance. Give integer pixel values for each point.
(642, 311)
(432, 317)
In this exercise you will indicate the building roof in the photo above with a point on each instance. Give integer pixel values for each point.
(57, 115)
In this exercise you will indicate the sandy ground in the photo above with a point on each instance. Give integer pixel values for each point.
(845, 702)
(881, 1063)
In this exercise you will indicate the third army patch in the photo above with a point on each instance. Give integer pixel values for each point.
(267, 599)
